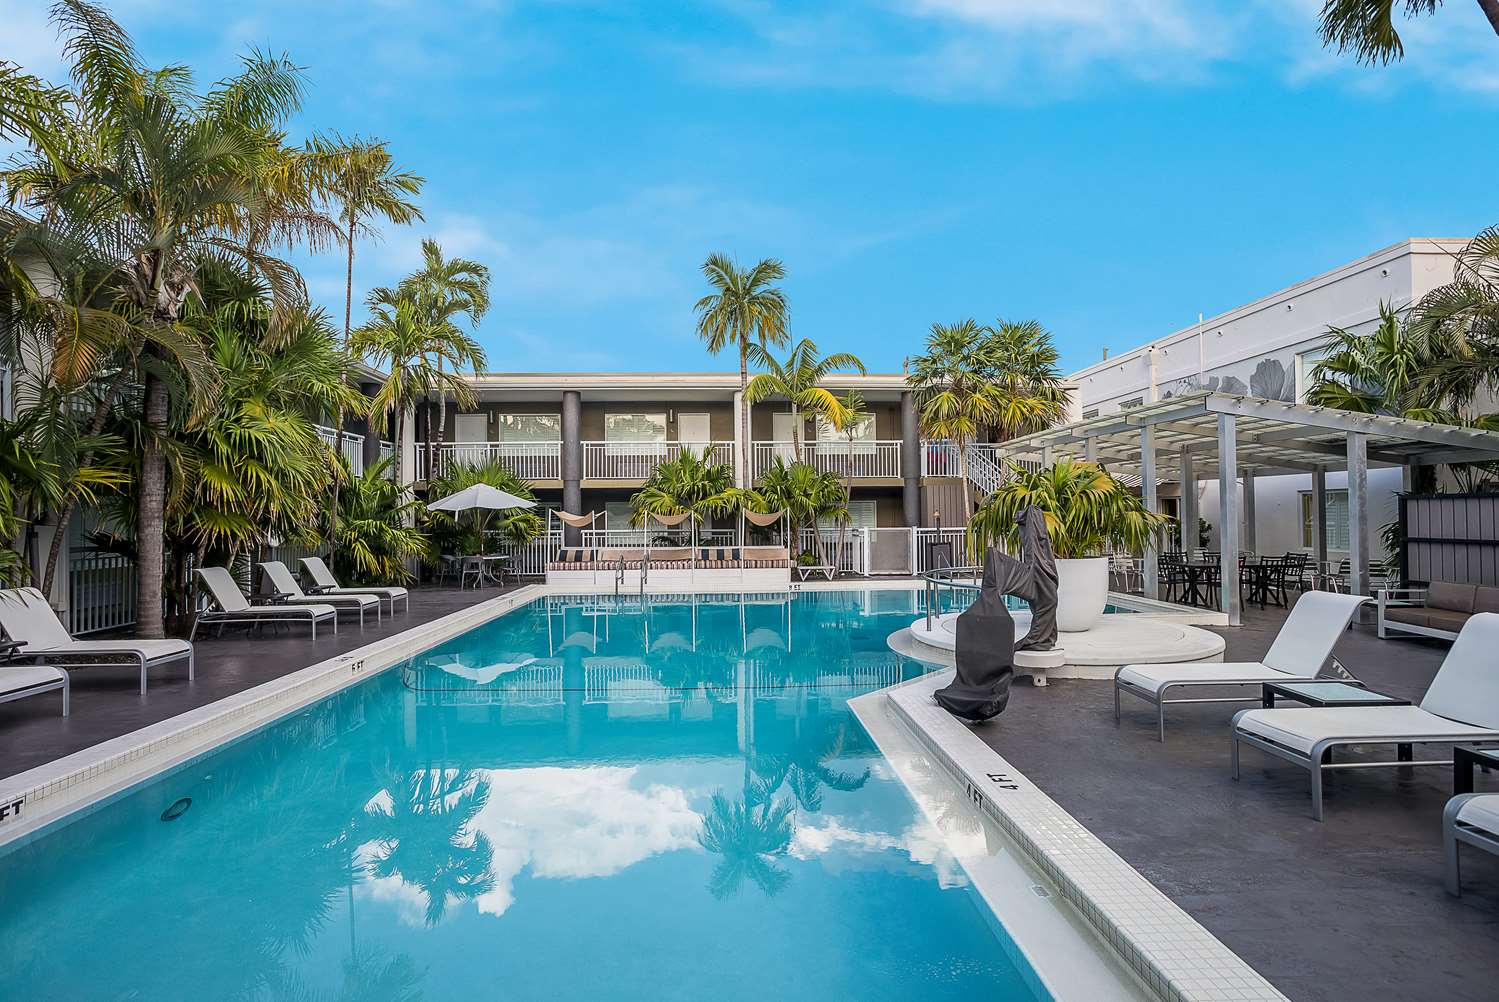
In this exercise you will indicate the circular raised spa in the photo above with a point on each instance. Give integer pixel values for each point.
(1118, 639)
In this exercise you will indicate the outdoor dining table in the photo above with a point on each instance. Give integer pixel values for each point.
(1196, 572)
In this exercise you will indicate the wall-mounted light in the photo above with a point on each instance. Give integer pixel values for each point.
(1384, 273)
(1290, 306)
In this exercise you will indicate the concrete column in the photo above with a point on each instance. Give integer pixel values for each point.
(1090, 451)
(742, 477)
(1045, 455)
(1319, 517)
(1151, 584)
(1188, 506)
(572, 463)
(371, 426)
(910, 460)
(1228, 515)
(1358, 513)
(1249, 527)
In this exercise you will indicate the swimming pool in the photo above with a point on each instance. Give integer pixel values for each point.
(581, 799)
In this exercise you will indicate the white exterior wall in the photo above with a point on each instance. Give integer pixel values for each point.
(1278, 510)
(1257, 348)
(1267, 349)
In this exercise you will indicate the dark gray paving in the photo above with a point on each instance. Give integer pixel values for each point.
(1351, 909)
(106, 702)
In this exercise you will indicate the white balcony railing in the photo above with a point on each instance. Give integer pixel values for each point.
(867, 459)
(353, 446)
(636, 460)
(527, 460)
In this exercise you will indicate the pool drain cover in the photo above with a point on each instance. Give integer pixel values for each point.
(178, 808)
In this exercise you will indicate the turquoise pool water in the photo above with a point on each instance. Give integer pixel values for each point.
(579, 800)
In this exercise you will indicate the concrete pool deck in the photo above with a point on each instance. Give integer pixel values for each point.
(1351, 909)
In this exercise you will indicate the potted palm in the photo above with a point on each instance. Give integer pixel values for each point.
(1087, 512)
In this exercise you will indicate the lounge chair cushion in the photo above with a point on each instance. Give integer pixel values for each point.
(1444, 619)
(154, 650)
(1449, 596)
(28, 619)
(282, 581)
(326, 583)
(1409, 614)
(1486, 599)
(1300, 728)
(1153, 678)
(19, 679)
(1481, 812)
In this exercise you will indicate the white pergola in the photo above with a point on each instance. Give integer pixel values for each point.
(1246, 436)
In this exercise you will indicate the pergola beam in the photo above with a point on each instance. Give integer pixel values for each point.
(1347, 421)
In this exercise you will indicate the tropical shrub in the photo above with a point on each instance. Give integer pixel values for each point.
(805, 494)
(458, 532)
(1087, 511)
(374, 539)
(687, 484)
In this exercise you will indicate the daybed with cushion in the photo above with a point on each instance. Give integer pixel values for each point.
(1439, 610)
(27, 619)
(1461, 705)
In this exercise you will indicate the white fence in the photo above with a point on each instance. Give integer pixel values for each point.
(353, 446)
(867, 459)
(530, 560)
(636, 460)
(101, 591)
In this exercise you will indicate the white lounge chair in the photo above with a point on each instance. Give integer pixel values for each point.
(1462, 705)
(1472, 818)
(284, 586)
(28, 619)
(1300, 650)
(20, 681)
(231, 606)
(324, 583)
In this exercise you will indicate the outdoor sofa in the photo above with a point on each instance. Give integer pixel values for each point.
(28, 620)
(1439, 610)
(1461, 705)
(1300, 650)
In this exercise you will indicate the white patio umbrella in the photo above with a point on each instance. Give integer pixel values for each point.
(481, 497)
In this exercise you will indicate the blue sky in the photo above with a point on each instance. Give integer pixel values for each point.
(1108, 167)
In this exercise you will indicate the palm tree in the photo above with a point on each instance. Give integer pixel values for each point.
(850, 417)
(805, 494)
(744, 309)
(1087, 511)
(399, 336)
(374, 539)
(155, 178)
(1023, 368)
(688, 484)
(1367, 27)
(444, 289)
(955, 392)
(750, 834)
(799, 379)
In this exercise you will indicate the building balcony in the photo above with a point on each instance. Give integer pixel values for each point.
(634, 461)
(865, 460)
(531, 461)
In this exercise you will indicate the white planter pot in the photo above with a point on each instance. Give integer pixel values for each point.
(1082, 593)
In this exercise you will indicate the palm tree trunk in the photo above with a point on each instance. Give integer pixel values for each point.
(744, 414)
(963, 476)
(1490, 10)
(150, 529)
(442, 416)
(796, 434)
(338, 427)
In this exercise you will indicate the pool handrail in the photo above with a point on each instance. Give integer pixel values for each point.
(948, 577)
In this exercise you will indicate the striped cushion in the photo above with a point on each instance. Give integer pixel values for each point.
(576, 556)
(767, 563)
(717, 553)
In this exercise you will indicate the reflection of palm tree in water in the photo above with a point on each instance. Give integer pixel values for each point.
(749, 834)
(803, 767)
(367, 977)
(426, 840)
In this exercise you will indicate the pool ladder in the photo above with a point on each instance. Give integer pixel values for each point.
(619, 573)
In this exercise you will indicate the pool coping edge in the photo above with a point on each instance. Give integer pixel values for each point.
(1172, 953)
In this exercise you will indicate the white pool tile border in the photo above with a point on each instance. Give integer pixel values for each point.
(38, 797)
(1168, 949)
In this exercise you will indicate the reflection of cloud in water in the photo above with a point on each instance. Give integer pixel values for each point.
(922, 842)
(581, 822)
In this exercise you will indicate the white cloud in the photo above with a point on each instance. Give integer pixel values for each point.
(922, 843)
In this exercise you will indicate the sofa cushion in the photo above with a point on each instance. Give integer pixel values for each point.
(1445, 619)
(1486, 599)
(1449, 596)
(1411, 615)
